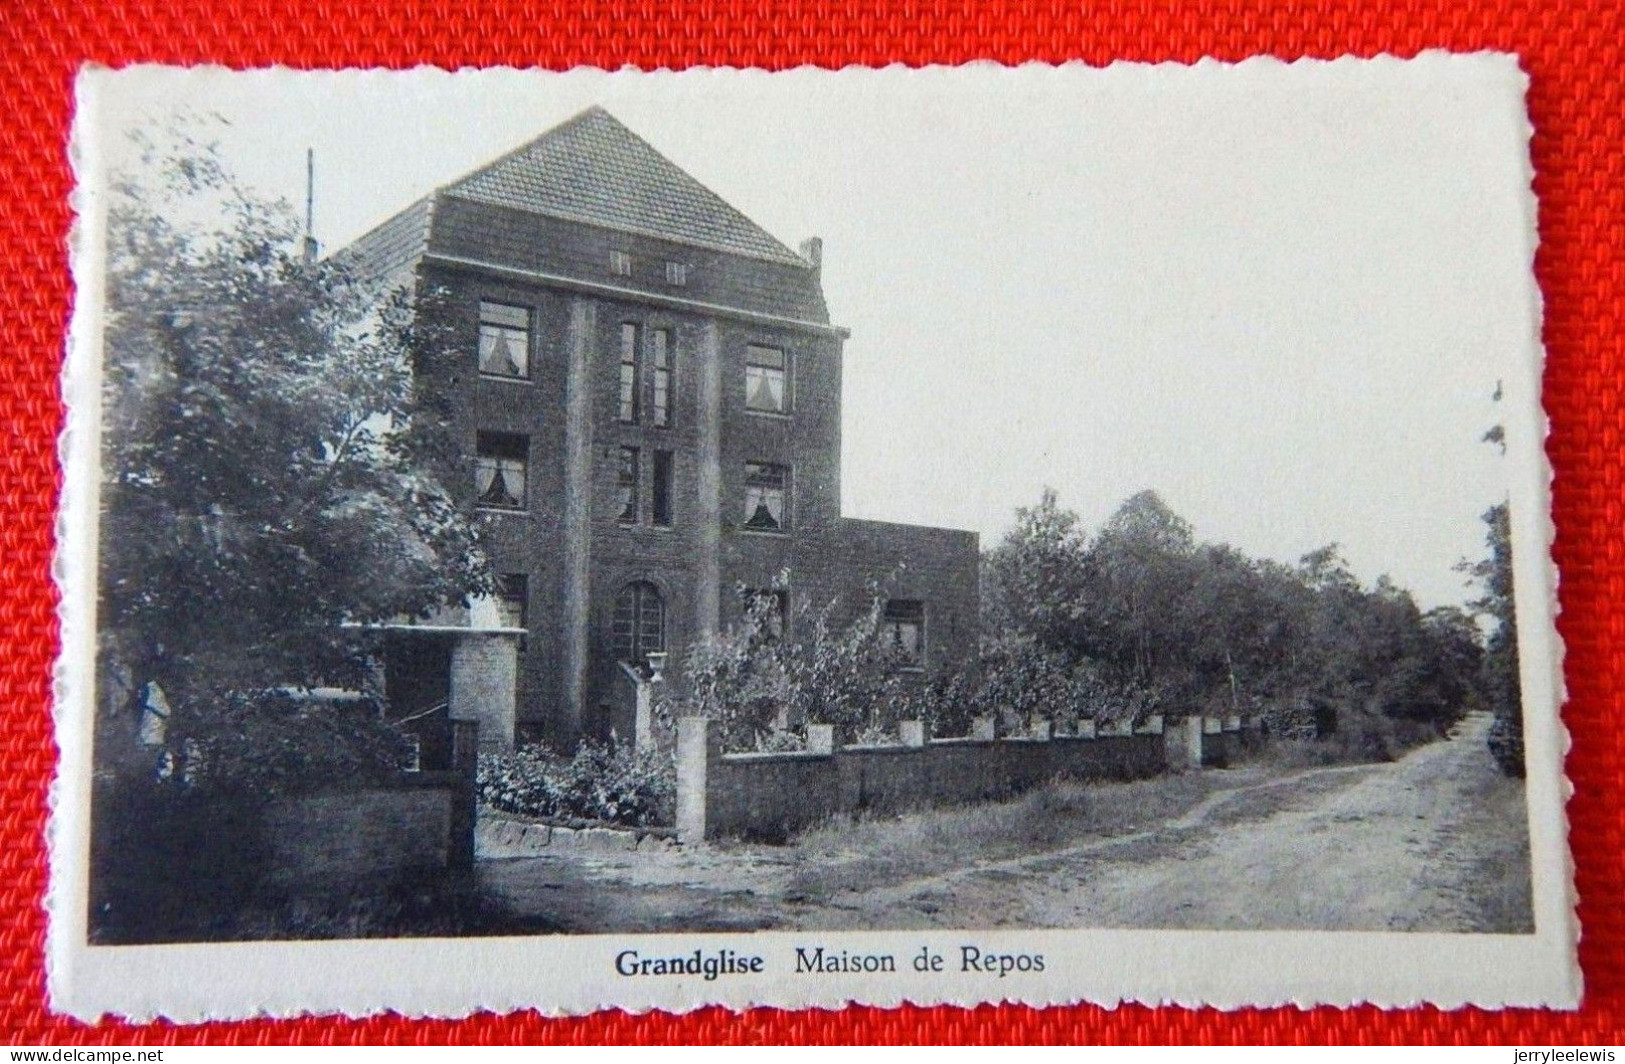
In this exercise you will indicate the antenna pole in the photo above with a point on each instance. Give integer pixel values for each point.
(311, 247)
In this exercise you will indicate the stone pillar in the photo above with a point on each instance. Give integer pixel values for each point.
(1193, 741)
(643, 725)
(912, 732)
(698, 748)
(982, 728)
(1086, 728)
(708, 482)
(820, 738)
(1041, 730)
(484, 676)
(578, 483)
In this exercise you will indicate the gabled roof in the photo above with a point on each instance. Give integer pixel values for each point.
(593, 169)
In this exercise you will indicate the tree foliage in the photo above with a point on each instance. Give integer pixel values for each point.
(270, 471)
(1157, 619)
(760, 686)
(1493, 575)
(271, 476)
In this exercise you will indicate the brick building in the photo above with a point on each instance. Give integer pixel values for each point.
(651, 406)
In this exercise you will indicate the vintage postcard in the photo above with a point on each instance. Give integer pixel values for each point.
(650, 540)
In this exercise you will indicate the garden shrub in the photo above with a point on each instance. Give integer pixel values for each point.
(613, 784)
(1019, 683)
(760, 689)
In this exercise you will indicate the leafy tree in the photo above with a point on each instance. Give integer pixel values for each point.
(1035, 581)
(272, 477)
(756, 685)
(845, 675)
(1021, 681)
(1144, 618)
(1493, 575)
(732, 677)
(1141, 566)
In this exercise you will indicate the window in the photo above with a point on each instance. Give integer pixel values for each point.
(513, 600)
(902, 629)
(620, 263)
(765, 380)
(629, 373)
(627, 484)
(765, 489)
(772, 605)
(677, 273)
(504, 340)
(660, 495)
(660, 340)
(638, 628)
(499, 470)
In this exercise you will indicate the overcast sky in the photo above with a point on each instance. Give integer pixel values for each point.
(1281, 297)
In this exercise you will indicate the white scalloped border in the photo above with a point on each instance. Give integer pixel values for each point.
(460, 977)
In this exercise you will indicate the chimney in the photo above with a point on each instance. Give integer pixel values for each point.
(311, 247)
(812, 249)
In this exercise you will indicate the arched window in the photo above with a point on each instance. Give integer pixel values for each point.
(639, 627)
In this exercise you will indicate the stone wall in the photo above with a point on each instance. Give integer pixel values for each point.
(330, 838)
(770, 796)
(421, 823)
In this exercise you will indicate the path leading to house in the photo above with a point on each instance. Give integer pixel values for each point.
(1435, 841)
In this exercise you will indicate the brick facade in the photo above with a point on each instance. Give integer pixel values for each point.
(706, 292)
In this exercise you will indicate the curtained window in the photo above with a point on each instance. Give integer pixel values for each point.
(504, 341)
(766, 491)
(499, 470)
(766, 380)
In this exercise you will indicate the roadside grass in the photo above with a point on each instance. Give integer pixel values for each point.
(1498, 815)
(1373, 745)
(847, 854)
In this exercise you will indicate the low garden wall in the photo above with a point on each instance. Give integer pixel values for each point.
(423, 824)
(770, 796)
(170, 865)
(500, 835)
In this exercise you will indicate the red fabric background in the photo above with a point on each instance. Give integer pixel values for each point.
(1571, 50)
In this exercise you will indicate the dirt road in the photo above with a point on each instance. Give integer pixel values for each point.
(1435, 841)
(1417, 845)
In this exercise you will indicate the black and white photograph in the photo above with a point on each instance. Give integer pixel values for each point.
(603, 539)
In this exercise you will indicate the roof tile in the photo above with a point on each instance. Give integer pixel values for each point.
(593, 169)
